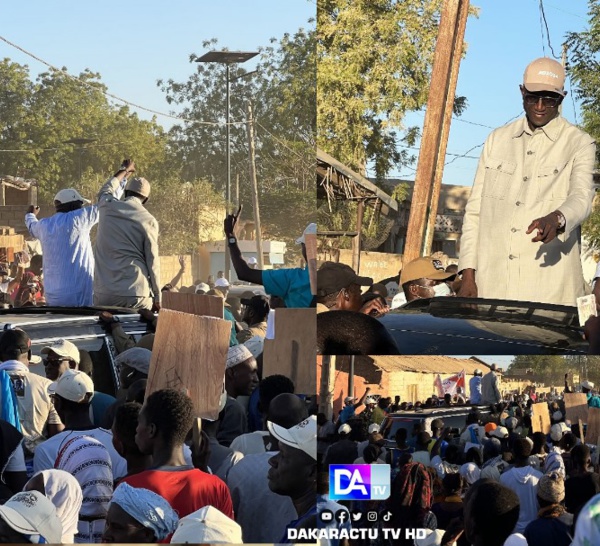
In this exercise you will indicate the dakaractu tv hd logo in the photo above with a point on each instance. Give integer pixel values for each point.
(359, 481)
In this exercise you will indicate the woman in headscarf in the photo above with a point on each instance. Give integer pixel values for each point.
(65, 493)
(138, 515)
(410, 502)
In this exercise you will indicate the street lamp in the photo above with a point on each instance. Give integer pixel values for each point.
(227, 58)
(80, 143)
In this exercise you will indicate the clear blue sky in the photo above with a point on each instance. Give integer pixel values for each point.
(501, 42)
(134, 43)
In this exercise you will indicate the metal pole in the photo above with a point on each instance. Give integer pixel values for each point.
(254, 186)
(228, 187)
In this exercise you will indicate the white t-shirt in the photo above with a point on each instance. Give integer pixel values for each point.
(250, 443)
(46, 453)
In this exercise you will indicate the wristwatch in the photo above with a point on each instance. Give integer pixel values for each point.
(561, 219)
(232, 240)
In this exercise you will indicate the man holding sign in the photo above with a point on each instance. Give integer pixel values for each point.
(292, 284)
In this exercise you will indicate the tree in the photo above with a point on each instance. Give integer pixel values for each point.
(282, 92)
(584, 69)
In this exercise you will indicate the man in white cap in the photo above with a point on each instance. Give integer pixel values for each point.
(587, 387)
(29, 518)
(241, 378)
(290, 284)
(207, 526)
(59, 357)
(533, 185)
(351, 405)
(72, 394)
(127, 259)
(475, 387)
(294, 469)
(67, 248)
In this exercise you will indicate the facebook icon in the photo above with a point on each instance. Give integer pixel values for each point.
(359, 482)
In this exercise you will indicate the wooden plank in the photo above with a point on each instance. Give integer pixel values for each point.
(310, 242)
(194, 304)
(576, 406)
(592, 435)
(189, 354)
(293, 351)
(540, 418)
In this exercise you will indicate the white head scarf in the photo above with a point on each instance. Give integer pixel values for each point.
(65, 493)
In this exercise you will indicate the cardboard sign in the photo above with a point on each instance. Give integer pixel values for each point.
(586, 308)
(540, 418)
(576, 406)
(194, 304)
(592, 435)
(293, 351)
(189, 354)
(310, 242)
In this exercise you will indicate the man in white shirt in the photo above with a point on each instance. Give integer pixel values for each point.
(67, 248)
(39, 420)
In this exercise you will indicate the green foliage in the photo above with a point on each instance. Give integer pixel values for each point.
(584, 69)
(374, 65)
(552, 368)
(283, 97)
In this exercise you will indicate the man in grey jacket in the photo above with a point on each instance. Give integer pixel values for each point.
(127, 270)
(490, 394)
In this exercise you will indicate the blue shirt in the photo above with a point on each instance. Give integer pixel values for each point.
(292, 285)
(475, 390)
(68, 256)
(593, 401)
(346, 413)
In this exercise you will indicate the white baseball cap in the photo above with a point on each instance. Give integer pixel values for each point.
(500, 432)
(557, 431)
(373, 427)
(370, 400)
(31, 513)
(73, 385)
(222, 282)
(345, 429)
(69, 195)
(252, 261)
(207, 526)
(311, 229)
(302, 436)
(587, 385)
(349, 400)
(62, 347)
(202, 286)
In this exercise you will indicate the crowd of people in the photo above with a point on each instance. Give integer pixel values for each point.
(493, 482)
(84, 466)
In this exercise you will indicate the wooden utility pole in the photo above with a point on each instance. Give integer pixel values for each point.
(356, 241)
(327, 385)
(446, 62)
(254, 186)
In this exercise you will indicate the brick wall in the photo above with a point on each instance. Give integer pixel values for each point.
(14, 215)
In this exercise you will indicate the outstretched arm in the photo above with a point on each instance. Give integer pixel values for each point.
(114, 185)
(242, 269)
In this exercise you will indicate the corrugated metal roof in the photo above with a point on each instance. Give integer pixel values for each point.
(427, 364)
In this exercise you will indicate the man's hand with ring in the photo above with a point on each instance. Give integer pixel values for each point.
(547, 228)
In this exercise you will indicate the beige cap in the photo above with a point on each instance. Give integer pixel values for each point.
(69, 195)
(545, 74)
(139, 185)
(424, 268)
(63, 348)
(207, 525)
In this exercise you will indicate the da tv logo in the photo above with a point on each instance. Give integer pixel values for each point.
(359, 481)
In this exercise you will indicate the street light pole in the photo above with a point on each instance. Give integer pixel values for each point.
(227, 58)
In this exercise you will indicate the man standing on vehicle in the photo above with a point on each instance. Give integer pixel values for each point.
(490, 394)
(67, 249)
(127, 260)
(350, 406)
(475, 387)
(534, 176)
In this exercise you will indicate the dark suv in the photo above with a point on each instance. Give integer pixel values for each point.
(80, 326)
(453, 417)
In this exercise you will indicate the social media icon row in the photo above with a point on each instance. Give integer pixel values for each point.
(341, 516)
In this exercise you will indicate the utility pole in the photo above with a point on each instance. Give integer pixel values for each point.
(254, 186)
(446, 63)
(327, 385)
(356, 240)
